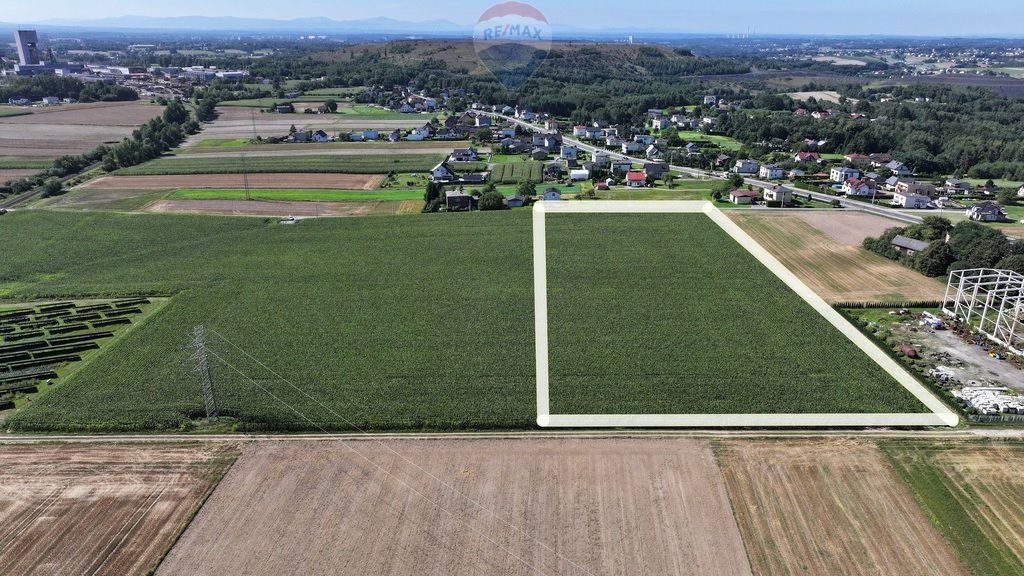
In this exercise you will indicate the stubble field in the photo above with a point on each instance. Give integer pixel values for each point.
(99, 509)
(823, 250)
(72, 129)
(829, 507)
(595, 508)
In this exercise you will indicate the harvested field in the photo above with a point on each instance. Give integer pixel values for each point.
(280, 209)
(828, 507)
(99, 509)
(822, 96)
(972, 492)
(329, 149)
(71, 129)
(596, 507)
(6, 175)
(849, 228)
(839, 271)
(269, 181)
(235, 122)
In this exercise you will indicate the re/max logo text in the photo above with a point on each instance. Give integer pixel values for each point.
(513, 31)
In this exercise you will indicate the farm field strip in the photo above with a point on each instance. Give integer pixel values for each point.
(517, 172)
(838, 272)
(100, 509)
(640, 372)
(828, 507)
(229, 181)
(609, 507)
(301, 195)
(971, 492)
(355, 164)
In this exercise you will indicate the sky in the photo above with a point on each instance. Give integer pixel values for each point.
(909, 17)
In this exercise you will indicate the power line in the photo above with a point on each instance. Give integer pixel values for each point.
(201, 356)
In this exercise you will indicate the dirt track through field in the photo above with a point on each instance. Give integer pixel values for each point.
(829, 507)
(569, 507)
(98, 509)
(237, 181)
(832, 264)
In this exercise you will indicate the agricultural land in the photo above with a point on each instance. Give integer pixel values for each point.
(71, 129)
(468, 507)
(627, 293)
(100, 509)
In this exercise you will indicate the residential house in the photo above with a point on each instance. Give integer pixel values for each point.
(842, 174)
(722, 160)
(746, 167)
(1020, 192)
(743, 196)
(50, 100)
(859, 187)
(909, 246)
(771, 172)
(464, 155)
(910, 187)
(515, 201)
(285, 109)
(710, 100)
(645, 139)
(371, 134)
(957, 186)
(540, 154)
(579, 131)
(709, 121)
(621, 166)
(880, 159)
(407, 108)
(779, 194)
(579, 175)
(416, 136)
(636, 179)
(553, 171)
(654, 152)
(899, 168)
(796, 173)
(450, 134)
(302, 137)
(807, 157)
(594, 133)
(632, 147)
(656, 170)
(987, 211)
(458, 201)
(443, 173)
(395, 135)
(356, 136)
(552, 195)
(911, 201)
(857, 159)
(483, 121)
(602, 159)
(612, 142)
(660, 123)
(569, 152)
(508, 132)
(320, 136)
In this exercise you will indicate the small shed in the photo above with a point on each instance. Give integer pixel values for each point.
(909, 246)
(743, 197)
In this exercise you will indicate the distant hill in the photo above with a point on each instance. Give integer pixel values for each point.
(229, 24)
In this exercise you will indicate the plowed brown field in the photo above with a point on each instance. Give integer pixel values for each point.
(99, 509)
(237, 181)
(833, 264)
(829, 507)
(527, 507)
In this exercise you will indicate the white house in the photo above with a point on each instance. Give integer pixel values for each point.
(957, 186)
(569, 152)
(416, 135)
(632, 147)
(771, 172)
(636, 179)
(645, 139)
(602, 159)
(1020, 192)
(899, 168)
(796, 173)
(51, 100)
(842, 174)
(746, 167)
(483, 121)
(407, 108)
(623, 166)
(320, 136)
(579, 131)
(710, 100)
(987, 211)
(464, 155)
(654, 152)
(911, 201)
(660, 123)
(593, 133)
(778, 194)
(443, 173)
(858, 187)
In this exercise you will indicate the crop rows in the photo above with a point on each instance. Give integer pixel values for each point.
(666, 314)
(517, 172)
(363, 164)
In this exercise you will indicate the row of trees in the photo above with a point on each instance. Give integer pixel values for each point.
(36, 87)
(970, 245)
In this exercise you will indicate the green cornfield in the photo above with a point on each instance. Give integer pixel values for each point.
(517, 172)
(425, 322)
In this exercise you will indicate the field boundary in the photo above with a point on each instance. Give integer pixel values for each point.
(941, 414)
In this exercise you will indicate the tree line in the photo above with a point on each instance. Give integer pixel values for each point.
(965, 246)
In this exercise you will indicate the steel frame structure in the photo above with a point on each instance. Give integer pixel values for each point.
(992, 298)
